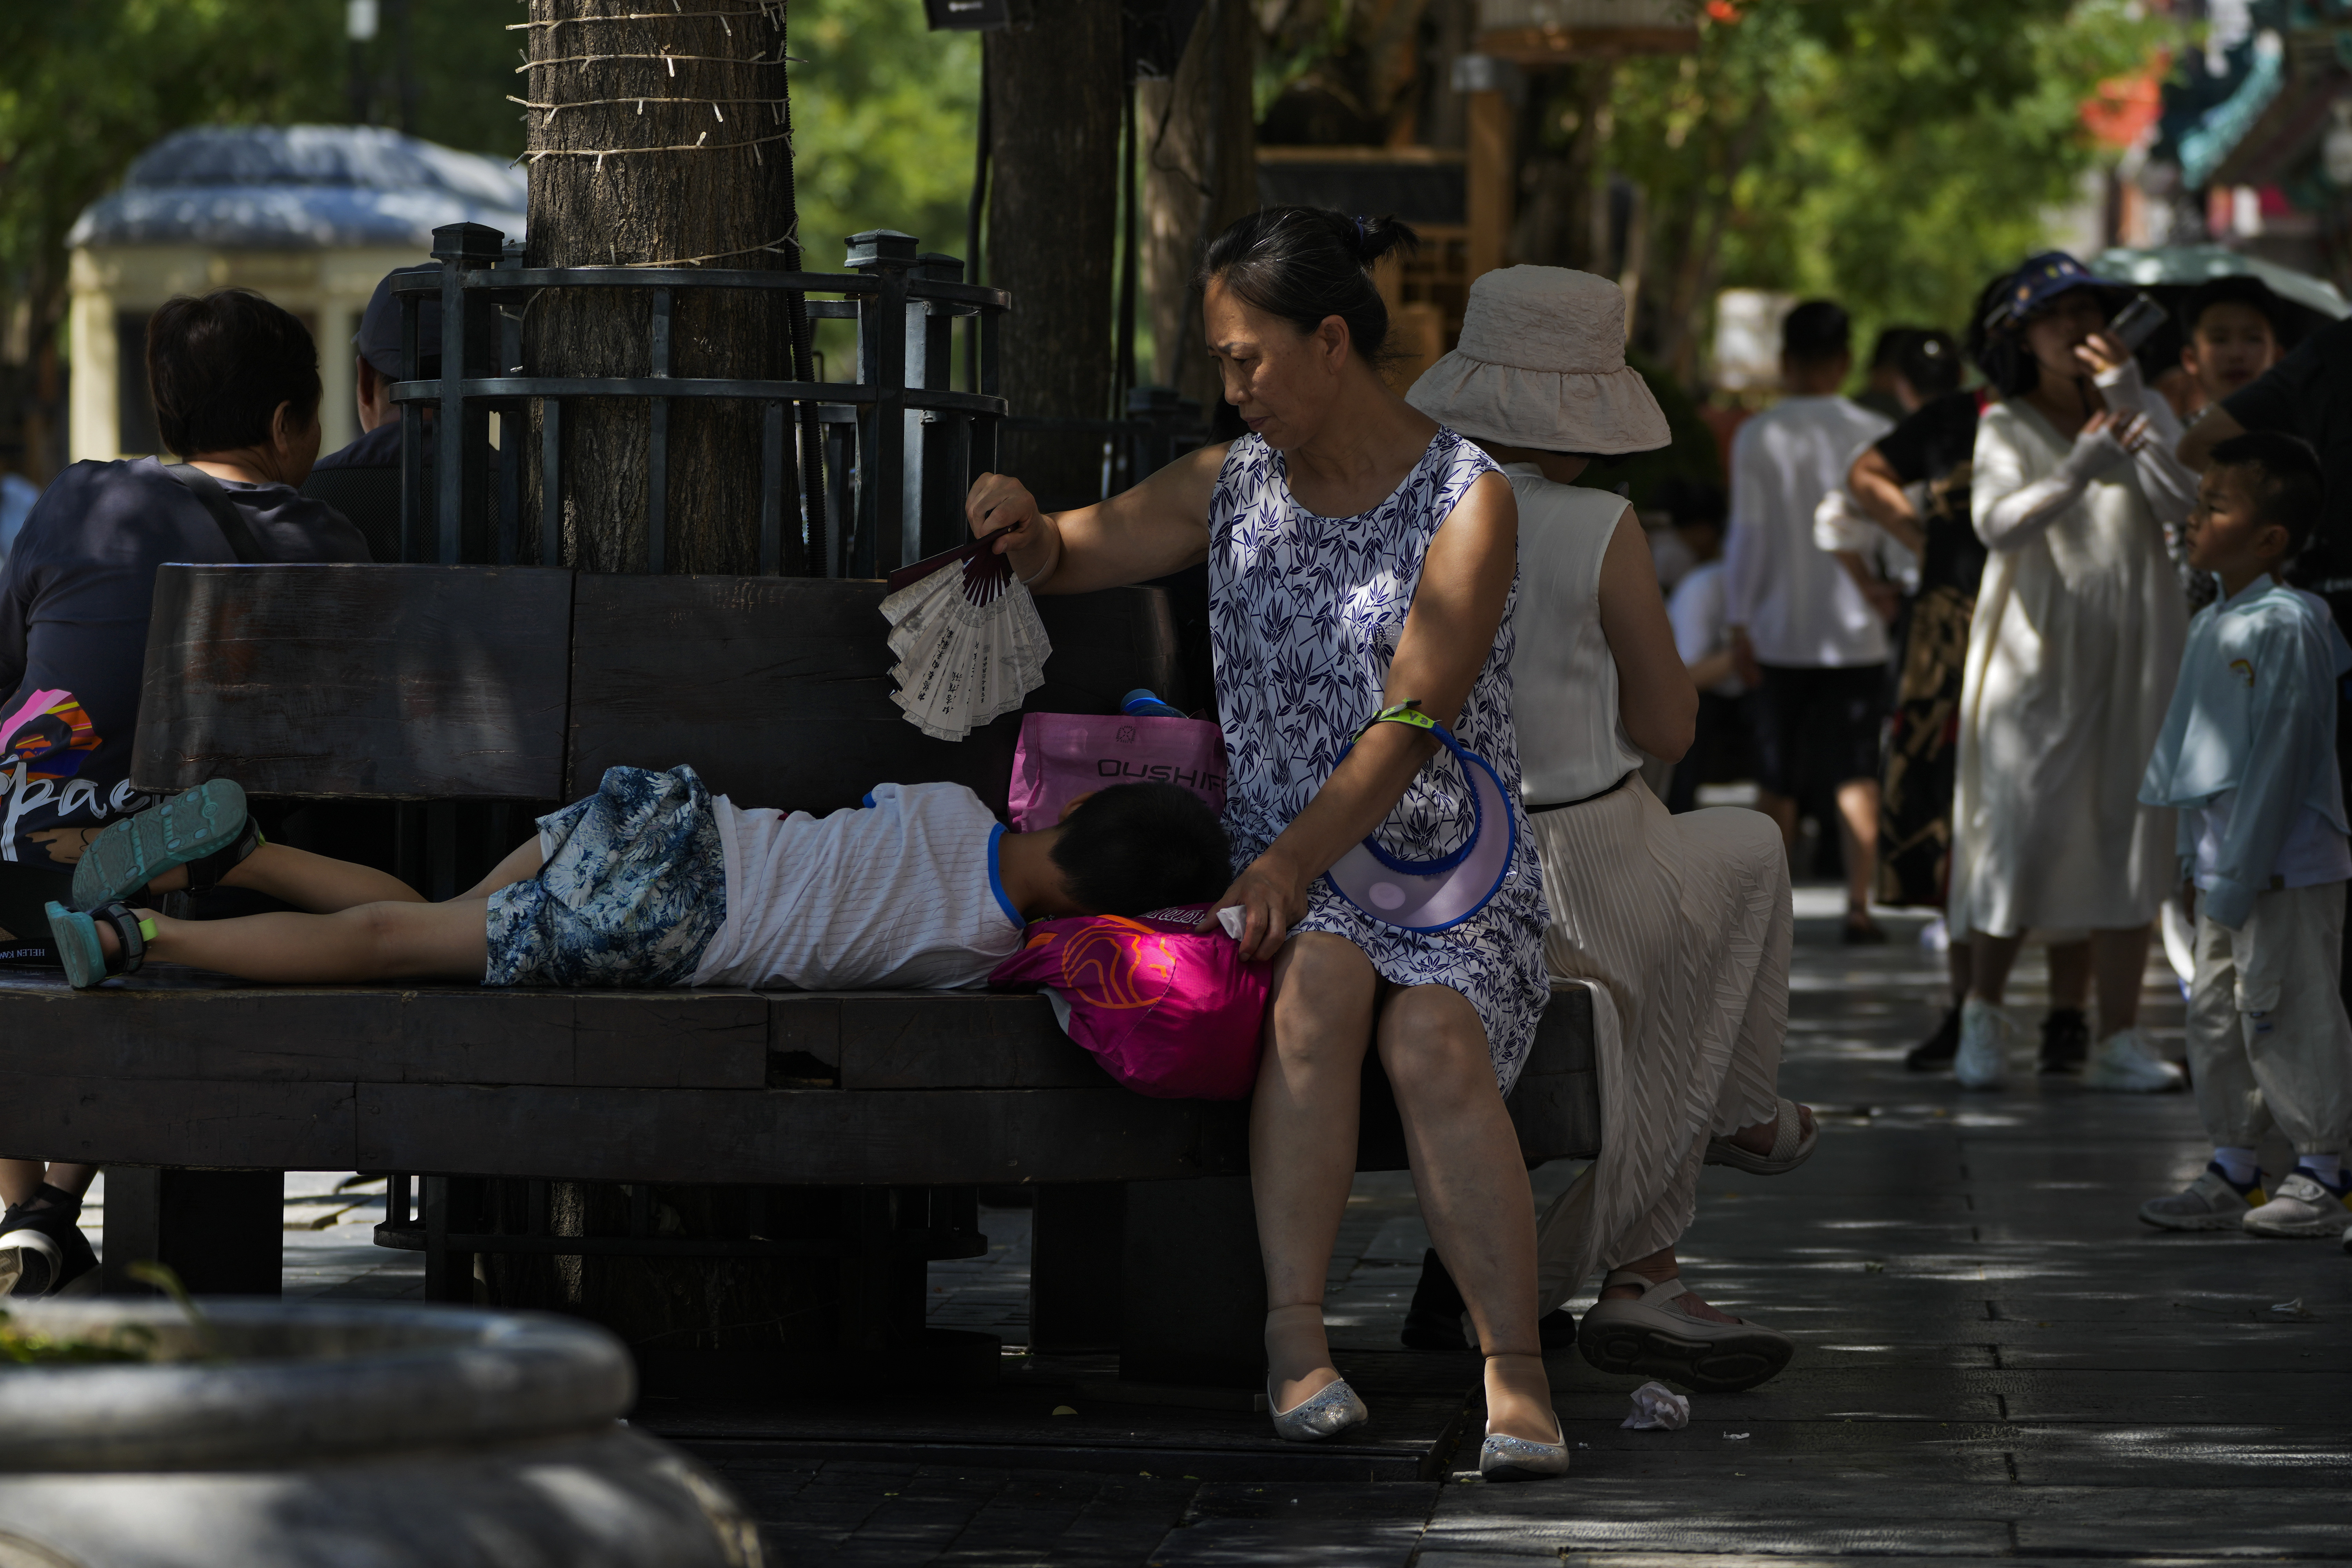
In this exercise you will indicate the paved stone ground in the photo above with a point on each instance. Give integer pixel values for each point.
(1999, 1360)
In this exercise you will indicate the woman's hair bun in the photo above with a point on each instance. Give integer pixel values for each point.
(1307, 265)
(1376, 236)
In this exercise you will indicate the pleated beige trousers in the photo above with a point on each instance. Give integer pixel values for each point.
(1681, 925)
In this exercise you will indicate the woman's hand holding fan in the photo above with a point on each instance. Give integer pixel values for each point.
(970, 644)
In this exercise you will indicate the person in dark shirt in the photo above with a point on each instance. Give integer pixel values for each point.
(235, 386)
(363, 480)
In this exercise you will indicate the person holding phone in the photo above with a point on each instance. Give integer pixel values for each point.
(2073, 652)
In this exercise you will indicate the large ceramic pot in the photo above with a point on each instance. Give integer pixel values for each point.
(346, 1437)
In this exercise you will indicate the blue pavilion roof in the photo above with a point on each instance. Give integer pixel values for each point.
(301, 188)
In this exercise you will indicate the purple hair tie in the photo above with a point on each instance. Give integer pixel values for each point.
(1360, 233)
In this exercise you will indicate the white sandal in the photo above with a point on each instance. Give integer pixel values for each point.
(1792, 1145)
(1644, 1337)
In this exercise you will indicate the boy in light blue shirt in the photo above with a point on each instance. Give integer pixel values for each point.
(2247, 756)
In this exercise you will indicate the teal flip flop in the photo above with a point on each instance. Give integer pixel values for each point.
(75, 935)
(189, 826)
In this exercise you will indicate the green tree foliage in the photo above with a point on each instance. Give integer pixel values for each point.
(92, 84)
(884, 115)
(1890, 153)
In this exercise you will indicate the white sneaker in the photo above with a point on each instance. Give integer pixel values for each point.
(2122, 1064)
(2299, 1205)
(1987, 1036)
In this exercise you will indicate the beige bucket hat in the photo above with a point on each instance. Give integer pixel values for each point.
(1542, 364)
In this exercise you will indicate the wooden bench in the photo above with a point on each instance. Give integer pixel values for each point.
(522, 685)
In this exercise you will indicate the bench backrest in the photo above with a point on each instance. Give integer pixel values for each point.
(525, 683)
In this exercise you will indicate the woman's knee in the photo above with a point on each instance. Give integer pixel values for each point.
(1434, 1049)
(1321, 1009)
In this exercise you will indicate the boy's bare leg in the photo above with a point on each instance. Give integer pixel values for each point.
(323, 885)
(391, 940)
(521, 864)
(308, 881)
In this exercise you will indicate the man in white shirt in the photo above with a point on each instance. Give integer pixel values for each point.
(1803, 632)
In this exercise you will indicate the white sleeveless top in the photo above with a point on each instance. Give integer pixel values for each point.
(1564, 704)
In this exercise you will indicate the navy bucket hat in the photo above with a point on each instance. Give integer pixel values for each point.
(2041, 279)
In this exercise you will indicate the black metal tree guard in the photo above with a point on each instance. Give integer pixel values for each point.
(900, 417)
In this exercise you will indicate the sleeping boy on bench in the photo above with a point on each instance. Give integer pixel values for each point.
(652, 881)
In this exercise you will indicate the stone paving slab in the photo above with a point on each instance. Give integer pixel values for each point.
(2187, 1455)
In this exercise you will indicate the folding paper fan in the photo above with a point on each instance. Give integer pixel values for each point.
(969, 641)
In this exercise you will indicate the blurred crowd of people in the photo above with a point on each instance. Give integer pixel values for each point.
(2045, 632)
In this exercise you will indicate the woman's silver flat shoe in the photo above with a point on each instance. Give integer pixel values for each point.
(1326, 1413)
(1502, 1458)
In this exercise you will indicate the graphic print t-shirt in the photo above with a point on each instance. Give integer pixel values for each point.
(902, 893)
(74, 604)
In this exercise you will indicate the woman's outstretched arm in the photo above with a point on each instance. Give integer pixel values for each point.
(1158, 527)
(1465, 580)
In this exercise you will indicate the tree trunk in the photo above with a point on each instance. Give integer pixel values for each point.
(1201, 174)
(1054, 89)
(641, 160)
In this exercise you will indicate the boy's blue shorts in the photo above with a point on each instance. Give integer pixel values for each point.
(634, 888)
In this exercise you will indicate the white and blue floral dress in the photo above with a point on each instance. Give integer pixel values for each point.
(1304, 615)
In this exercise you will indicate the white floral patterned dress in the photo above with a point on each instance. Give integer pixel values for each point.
(1304, 615)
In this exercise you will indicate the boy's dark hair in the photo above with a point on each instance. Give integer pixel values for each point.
(1929, 363)
(1139, 846)
(218, 367)
(1888, 347)
(1815, 330)
(2284, 480)
(2238, 288)
(1307, 265)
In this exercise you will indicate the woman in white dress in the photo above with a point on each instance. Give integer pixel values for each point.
(1681, 924)
(2072, 656)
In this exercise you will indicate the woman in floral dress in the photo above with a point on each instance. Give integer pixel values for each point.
(1360, 556)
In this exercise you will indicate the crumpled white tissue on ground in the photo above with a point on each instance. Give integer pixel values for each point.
(1657, 1406)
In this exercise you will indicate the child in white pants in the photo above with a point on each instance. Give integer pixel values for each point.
(2248, 757)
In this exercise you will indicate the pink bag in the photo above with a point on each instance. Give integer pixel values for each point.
(1064, 755)
(1168, 1012)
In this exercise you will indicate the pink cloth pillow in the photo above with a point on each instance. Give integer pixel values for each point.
(1167, 1013)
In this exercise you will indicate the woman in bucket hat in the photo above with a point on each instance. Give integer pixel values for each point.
(1681, 924)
